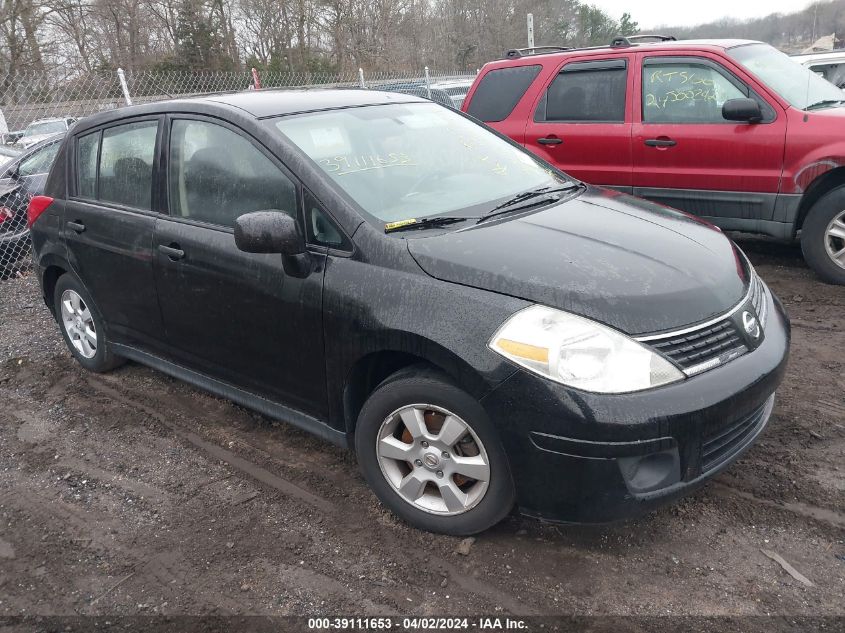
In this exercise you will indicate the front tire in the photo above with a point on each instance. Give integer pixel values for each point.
(82, 326)
(823, 237)
(432, 456)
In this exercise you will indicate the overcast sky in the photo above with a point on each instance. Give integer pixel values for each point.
(650, 13)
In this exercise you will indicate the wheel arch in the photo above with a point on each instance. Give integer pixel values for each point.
(52, 268)
(822, 185)
(372, 368)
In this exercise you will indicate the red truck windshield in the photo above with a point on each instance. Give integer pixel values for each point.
(801, 87)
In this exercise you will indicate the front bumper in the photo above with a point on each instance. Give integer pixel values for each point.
(592, 458)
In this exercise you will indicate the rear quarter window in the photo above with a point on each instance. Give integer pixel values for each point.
(499, 91)
(86, 165)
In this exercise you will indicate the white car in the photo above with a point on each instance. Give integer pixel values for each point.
(41, 129)
(456, 89)
(830, 65)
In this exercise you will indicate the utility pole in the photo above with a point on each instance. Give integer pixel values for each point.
(530, 30)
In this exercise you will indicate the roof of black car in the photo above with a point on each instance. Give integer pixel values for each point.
(254, 103)
(264, 103)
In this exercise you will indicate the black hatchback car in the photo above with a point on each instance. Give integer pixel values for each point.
(393, 276)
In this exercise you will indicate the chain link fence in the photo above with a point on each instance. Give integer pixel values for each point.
(36, 109)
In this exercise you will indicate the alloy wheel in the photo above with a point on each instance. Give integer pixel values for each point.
(433, 459)
(79, 324)
(834, 240)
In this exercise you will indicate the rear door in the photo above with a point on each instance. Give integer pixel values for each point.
(233, 315)
(688, 156)
(582, 121)
(109, 221)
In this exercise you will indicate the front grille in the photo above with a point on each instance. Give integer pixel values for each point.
(720, 442)
(695, 348)
(699, 349)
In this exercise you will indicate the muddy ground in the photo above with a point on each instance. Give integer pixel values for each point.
(132, 493)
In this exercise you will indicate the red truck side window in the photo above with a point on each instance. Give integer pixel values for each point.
(685, 93)
(586, 92)
(499, 91)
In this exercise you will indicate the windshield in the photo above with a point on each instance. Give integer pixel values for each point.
(792, 81)
(48, 127)
(415, 160)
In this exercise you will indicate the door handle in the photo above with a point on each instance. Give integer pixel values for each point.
(76, 226)
(550, 140)
(173, 251)
(660, 142)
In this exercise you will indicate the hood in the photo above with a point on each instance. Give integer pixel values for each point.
(632, 264)
(825, 114)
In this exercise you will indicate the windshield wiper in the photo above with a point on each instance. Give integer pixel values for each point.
(528, 199)
(824, 103)
(424, 223)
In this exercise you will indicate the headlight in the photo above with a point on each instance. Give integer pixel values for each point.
(580, 353)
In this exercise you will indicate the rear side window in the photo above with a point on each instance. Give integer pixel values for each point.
(588, 92)
(217, 175)
(126, 164)
(86, 165)
(499, 91)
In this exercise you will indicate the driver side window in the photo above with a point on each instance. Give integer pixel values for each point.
(216, 175)
(685, 93)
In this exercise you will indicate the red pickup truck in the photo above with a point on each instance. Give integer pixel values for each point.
(732, 131)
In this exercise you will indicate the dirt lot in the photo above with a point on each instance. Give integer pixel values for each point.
(131, 493)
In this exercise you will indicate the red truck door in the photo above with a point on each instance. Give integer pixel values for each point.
(581, 121)
(686, 155)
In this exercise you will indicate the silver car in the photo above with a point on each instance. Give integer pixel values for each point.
(42, 129)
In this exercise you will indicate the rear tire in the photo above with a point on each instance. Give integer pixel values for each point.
(445, 469)
(82, 326)
(823, 237)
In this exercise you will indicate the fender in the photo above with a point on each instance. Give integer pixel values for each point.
(348, 387)
(814, 146)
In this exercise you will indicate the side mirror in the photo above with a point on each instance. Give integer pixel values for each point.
(268, 232)
(742, 110)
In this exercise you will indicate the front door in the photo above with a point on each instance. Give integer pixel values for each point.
(236, 316)
(108, 226)
(582, 122)
(688, 156)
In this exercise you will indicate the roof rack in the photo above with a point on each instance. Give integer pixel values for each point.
(516, 53)
(617, 42)
(632, 40)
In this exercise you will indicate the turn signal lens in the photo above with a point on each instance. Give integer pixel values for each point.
(36, 207)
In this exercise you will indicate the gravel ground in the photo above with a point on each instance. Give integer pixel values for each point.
(134, 494)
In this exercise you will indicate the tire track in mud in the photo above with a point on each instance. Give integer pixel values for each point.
(352, 518)
(163, 571)
(254, 471)
(823, 515)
